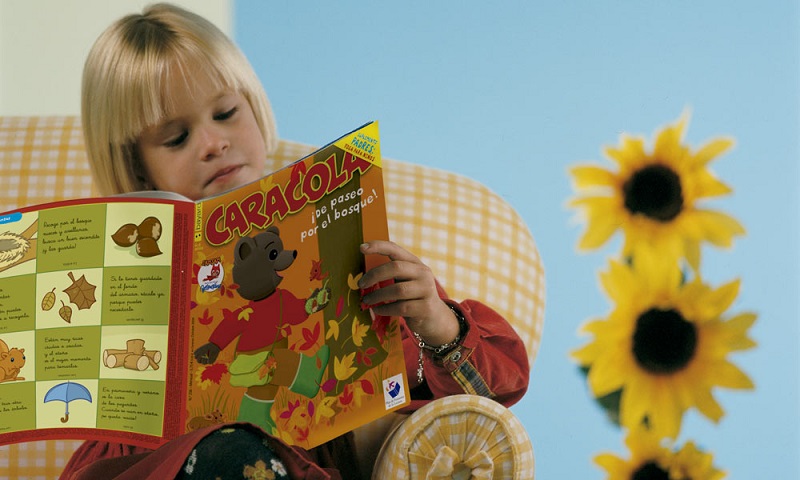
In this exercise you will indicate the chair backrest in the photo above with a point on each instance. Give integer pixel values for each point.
(474, 241)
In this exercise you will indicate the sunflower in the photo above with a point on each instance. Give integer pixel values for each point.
(664, 345)
(652, 461)
(653, 196)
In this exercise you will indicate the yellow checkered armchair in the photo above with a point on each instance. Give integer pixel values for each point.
(43, 159)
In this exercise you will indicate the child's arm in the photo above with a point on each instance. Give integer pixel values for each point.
(489, 359)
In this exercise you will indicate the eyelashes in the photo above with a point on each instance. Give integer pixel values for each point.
(179, 139)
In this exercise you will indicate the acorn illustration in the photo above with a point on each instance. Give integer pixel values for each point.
(126, 235)
(150, 227)
(147, 247)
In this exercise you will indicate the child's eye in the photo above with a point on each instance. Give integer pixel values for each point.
(176, 141)
(226, 115)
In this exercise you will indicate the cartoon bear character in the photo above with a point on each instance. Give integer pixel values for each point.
(11, 361)
(263, 361)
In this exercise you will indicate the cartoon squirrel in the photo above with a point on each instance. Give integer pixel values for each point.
(11, 361)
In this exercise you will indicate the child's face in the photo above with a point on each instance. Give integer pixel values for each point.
(209, 143)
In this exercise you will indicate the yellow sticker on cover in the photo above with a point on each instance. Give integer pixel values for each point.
(363, 143)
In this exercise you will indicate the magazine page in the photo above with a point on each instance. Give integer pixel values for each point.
(88, 293)
(279, 337)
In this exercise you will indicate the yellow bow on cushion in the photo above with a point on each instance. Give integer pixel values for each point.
(449, 465)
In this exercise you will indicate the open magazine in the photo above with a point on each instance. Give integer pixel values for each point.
(141, 317)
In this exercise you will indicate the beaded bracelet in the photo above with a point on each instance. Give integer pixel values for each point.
(443, 347)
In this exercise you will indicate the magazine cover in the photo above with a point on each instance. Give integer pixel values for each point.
(139, 319)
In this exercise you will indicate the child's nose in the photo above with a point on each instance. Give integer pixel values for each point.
(215, 142)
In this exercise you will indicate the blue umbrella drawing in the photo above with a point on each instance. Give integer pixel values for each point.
(67, 392)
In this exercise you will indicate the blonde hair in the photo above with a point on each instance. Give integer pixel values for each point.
(124, 87)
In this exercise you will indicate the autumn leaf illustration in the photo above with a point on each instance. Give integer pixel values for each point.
(325, 409)
(208, 374)
(359, 331)
(352, 281)
(343, 368)
(81, 292)
(366, 385)
(328, 385)
(206, 318)
(290, 408)
(333, 330)
(347, 396)
(244, 314)
(311, 337)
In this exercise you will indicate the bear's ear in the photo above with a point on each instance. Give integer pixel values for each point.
(274, 229)
(244, 247)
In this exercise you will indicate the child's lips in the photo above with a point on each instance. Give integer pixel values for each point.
(224, 174)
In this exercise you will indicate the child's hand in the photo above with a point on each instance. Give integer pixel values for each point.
(413, 294)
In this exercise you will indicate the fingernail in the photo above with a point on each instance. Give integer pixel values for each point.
(363, 246)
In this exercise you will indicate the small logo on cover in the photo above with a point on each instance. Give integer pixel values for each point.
(210, 275)
(393, 392)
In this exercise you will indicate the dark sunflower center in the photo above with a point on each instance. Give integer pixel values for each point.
(650, 471)
(663, 342)
(654, 191)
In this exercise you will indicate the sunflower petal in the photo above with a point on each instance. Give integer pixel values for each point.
(587, 176)
(604, 375)
(635, 401)
(728, 375)
(707, 405)
(612, 464)
(598, 231)
(736, 329)
(691, 249)
(711, 150)
(668, 142)
(719, 300)
(630, 155)
(704, 184)
(717, 227)
(618, 281)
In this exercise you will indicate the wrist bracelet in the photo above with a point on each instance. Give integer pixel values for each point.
(440, 348)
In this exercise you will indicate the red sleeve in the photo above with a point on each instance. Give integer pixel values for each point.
(93, 451)
(294, 308)
(490, 361)
(229, 328)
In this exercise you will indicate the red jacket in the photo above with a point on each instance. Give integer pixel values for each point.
(490, 361)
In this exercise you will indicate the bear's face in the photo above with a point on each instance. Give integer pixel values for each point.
(257, 261)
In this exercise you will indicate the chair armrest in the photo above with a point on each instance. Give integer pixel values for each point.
(461, 436)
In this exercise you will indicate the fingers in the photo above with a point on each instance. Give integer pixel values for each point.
(397, 292)
(404, 265)
(408, 309)
(405, 286)
(388, 249)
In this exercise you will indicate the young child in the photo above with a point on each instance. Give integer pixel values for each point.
(170, 103)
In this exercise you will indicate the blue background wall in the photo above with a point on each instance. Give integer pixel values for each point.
(512, 94)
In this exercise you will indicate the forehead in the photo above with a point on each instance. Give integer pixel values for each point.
(186, 85)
